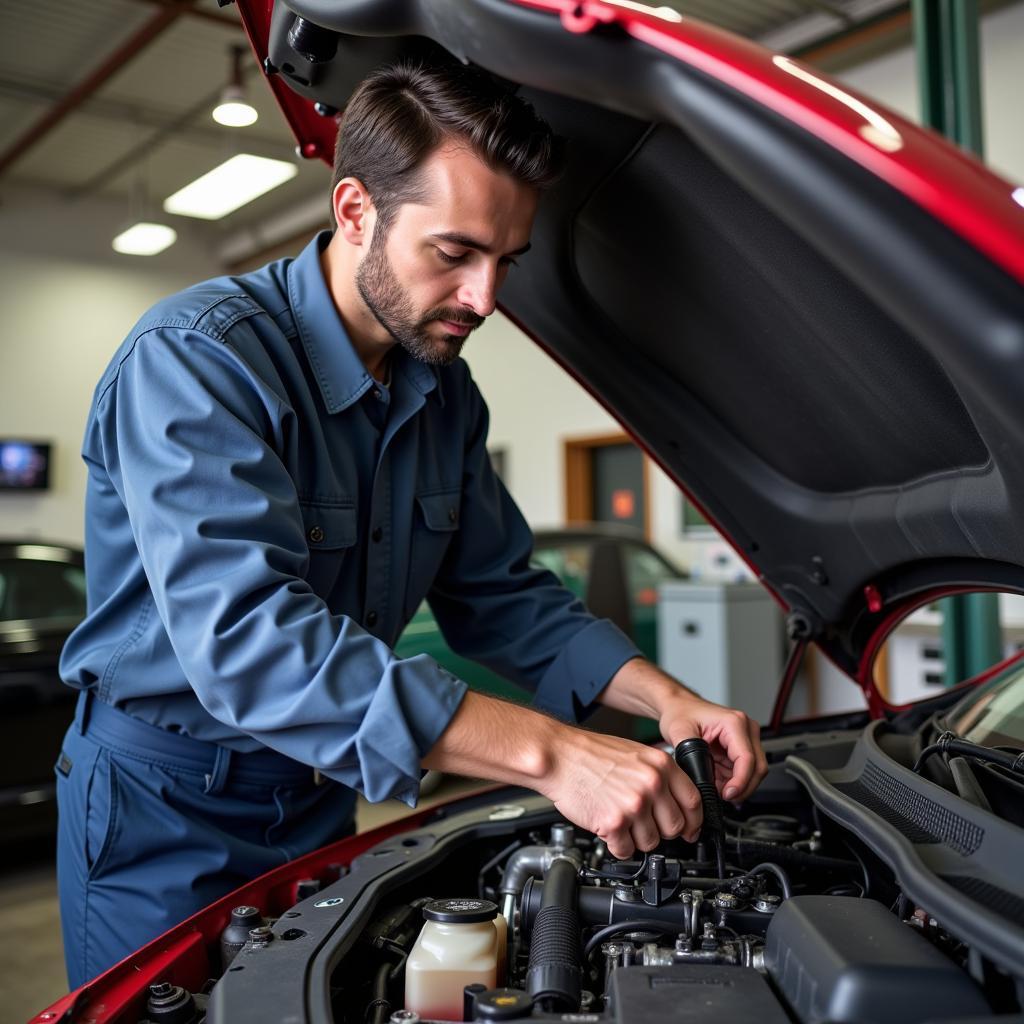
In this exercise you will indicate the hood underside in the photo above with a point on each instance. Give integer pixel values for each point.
(816, 330)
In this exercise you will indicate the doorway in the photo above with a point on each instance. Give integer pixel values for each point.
(606, 481)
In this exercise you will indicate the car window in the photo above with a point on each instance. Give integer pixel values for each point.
(569, 562)
(36, 589)
(645, 571)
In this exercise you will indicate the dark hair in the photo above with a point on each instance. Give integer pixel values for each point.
(401, 113)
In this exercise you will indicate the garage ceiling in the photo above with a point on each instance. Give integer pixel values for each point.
(148, 128)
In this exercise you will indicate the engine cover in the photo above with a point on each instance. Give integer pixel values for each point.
(692, 992)
(840, 959)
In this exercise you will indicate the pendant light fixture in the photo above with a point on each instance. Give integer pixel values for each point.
(233, 109)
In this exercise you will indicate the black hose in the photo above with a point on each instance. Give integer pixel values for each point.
(497, 859)
(380, 1006)
(554, 974)
(795, 858)
(948, 743)
(642, 924)
(779, 873)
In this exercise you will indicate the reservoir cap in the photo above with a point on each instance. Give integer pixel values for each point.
(460, 911)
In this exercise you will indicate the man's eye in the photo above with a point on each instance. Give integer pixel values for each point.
(446, 257)
(507, 261)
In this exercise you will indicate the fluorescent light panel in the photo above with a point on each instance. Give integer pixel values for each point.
(145, 239)
(234, 183)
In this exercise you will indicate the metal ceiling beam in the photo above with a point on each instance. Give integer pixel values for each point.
(831, 8)
(208, 16)
(128, 50)
(882, 26)
(172, 129)
(136, 114)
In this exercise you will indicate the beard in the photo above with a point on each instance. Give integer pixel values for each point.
(390, 303)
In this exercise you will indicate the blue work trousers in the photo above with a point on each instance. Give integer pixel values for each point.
(155, 825)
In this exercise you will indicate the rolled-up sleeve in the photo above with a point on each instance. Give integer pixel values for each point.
(193, 442)
(516, 619)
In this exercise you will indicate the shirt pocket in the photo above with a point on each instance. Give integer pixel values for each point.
(435, 523)
(330, 531)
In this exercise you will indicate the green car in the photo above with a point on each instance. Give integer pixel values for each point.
(614, 571)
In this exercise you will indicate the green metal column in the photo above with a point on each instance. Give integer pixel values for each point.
(946, 38)
(948, 71)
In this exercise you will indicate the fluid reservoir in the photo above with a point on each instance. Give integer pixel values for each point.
(501, 927)
(457, 946)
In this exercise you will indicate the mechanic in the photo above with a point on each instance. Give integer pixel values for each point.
(281, 466)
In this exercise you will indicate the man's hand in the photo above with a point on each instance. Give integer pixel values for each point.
(641, 688)
(629, 794)
(626, 793)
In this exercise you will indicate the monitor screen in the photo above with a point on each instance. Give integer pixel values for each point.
(24, 465)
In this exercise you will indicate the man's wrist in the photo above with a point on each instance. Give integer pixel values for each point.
(641, 688)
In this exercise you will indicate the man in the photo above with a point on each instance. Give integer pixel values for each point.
(281, 466)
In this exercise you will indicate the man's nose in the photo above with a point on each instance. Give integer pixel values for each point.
(478, 290)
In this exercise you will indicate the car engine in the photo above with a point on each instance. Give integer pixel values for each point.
(838, 893)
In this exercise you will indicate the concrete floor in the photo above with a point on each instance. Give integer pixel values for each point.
(32, 966)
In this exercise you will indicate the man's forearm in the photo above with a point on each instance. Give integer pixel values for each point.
(493, 739)
(641, 688)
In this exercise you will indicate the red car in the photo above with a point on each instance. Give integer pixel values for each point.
(811, 313)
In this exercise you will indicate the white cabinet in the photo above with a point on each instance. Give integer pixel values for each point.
(723, 640)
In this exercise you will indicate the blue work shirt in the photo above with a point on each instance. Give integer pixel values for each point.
(263, 519)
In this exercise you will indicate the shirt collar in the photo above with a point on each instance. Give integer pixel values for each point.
(339, 371)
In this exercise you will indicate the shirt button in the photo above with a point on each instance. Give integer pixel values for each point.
(316, 534)
(376, 535)
(371, 618)
(452, 515)
(377, 394)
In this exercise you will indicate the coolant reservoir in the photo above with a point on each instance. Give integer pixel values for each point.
(458, 946)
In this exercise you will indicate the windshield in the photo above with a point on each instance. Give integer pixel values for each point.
(993, 715)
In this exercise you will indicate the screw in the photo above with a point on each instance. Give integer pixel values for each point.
(261, 936)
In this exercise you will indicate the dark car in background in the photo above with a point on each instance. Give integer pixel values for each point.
(810, 312)
(42, 598)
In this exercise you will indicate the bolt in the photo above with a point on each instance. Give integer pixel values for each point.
(261, 936)
(767, 904)
(161, 989)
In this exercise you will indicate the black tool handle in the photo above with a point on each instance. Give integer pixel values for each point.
(694, 757)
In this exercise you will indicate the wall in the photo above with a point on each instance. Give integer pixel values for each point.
(68, 300)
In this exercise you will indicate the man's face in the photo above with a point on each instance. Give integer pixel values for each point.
(432, 278)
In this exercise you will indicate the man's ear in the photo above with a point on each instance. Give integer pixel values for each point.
(353, 210)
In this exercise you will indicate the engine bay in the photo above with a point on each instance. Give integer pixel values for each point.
(843, 893)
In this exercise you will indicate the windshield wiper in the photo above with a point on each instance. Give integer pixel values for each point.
(949, 743)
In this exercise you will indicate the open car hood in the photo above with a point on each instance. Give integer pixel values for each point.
(808, 310)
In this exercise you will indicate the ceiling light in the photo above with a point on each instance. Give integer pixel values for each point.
(145, 239)
(234, 183)
(233, 109)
